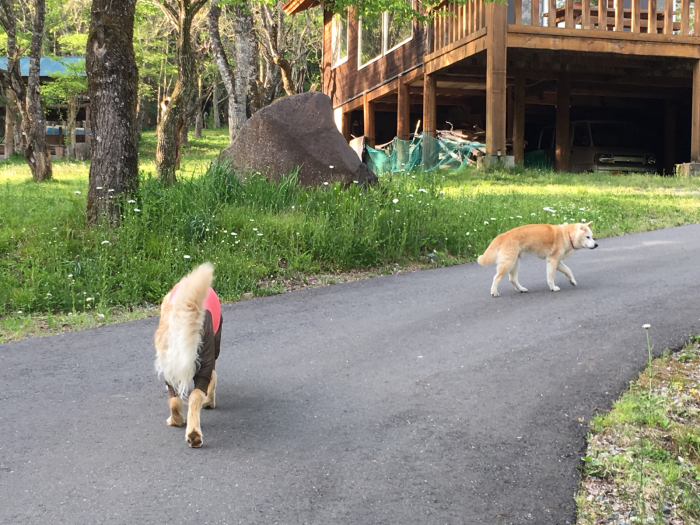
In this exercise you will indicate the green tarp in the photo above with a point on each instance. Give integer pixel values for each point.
(423, 151)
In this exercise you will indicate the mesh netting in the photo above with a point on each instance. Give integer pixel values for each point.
(424, 152)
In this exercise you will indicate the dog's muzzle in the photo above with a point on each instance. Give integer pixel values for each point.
(594, 246)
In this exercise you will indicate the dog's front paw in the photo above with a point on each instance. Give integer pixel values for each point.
(494, 294)
(555, 289)
(573, 282)
(194, 438)
(522, 289)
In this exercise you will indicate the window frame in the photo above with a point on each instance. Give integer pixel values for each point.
(385, 40)
(347, 40)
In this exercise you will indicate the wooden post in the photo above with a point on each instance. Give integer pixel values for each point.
(563, 141)
(519, 119)
(518, 12)
(368, 111)
(496, 18)
(569, 14)
(347, 125)
(652, 23)
(429, 105)
(403, 111)
(603, 15)
(510, 102)
(668, 17)
(695, 126)
(670, 136)
(685, 17)
(535, 13)
(619, 15)
(9, 124)
(586, 12)
(635, 17)
(552, 14)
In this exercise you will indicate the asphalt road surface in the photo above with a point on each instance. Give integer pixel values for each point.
(407, 399)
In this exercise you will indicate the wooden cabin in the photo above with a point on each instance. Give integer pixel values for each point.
(514, 68)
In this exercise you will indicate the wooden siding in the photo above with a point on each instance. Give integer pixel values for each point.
(346, 81)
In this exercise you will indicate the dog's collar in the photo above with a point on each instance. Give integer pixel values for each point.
(571, 241)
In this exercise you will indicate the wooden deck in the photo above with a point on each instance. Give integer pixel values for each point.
(527, 52)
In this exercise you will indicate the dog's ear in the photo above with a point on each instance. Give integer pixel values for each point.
(588, 224)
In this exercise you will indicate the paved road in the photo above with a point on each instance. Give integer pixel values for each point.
(408, 399)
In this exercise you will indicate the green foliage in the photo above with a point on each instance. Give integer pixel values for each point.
(73, 44)
(66, 85)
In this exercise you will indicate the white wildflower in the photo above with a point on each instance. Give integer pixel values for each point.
(255, 229)
(486, 222)
(131, 201)
(70, 275)
(48, 294)
(234, 233)
(647, 326)
(186, 256)
(77, 193)
(442, 192)
(105, 242)
(99, 188)
(395, 201)
(331, 167)
(325, 184)
(136, 210)
(110, 191)
(260, 234)
(89, 299)
(422, 190)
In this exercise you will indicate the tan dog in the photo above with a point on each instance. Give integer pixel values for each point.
(187, 342)
(546, 241)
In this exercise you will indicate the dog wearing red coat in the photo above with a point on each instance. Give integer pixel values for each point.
(188, 341)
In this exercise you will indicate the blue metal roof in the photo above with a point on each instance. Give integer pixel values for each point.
(48, 65)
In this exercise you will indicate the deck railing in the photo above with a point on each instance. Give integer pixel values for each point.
(454, 21)
(668, 17)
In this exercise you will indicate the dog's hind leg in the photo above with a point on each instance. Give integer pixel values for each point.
(503, 268)
(193, 434)
(566, 271)
(210, 402)
(175, 419)
(513, 277)
(551, 269)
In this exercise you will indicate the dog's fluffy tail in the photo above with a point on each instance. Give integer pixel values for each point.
(489, 256)
(179, 363)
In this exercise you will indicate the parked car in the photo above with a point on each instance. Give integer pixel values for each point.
(604, 146)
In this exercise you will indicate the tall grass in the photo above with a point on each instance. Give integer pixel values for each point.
(50, 261)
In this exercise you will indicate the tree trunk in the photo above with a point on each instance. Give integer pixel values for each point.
(113, 90)
(140, 115)
(9, 123)
(198, 122)
(169, 131)
(246, 60)
(227, 76)
(72, 112)
(33, 124)
(37, 152)
(19, 139)
(215, 103)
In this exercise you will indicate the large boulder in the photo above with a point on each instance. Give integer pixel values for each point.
(297, 131)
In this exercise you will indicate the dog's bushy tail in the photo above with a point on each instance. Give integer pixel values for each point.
(489, 256)
(179, 363)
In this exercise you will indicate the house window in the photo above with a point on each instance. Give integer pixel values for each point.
(398, 31)
(382, 34)
(371, 38)
(339, 38)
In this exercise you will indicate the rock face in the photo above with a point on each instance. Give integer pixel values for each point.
(297, 131)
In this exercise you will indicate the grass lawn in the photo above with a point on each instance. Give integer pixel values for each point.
(265, 238)
(643, 458)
